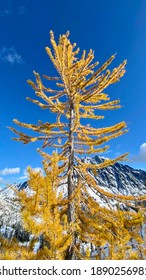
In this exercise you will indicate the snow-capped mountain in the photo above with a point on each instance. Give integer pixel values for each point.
(117, 179)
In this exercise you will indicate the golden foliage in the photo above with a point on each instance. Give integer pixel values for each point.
(81, 84)
(66, 222)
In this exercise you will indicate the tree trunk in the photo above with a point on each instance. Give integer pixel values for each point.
(71, 210)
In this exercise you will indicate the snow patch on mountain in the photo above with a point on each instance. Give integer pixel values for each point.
(116, 179)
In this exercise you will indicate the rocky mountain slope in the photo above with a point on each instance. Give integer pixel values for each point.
(120, 178)
(117, 179)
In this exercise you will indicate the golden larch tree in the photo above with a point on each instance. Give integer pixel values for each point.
(78, 93)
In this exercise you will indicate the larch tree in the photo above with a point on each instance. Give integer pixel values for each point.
(43, 215)
(43, 212)
(78, 93)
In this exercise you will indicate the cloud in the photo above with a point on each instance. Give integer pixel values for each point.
(24, 176)
(39, 169)
(141, 157)
(142, 152)
(6, 12)
(2, 181)
(10, 55)
(10, 171)
(25, 173)
(21, 10)
(8, 9)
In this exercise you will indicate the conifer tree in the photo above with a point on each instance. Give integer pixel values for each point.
(7, 249)
(78, 93)
(43, 215)
(118, 230)
(44, 210)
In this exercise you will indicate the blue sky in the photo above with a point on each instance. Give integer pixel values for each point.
(106, 27)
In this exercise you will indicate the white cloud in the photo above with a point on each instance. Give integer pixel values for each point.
(141, 157)
(10, 55)
(38, 169)
(142, 152)
(25, 173)
(21, 10)
(6, 12)
(24, 176)
(10, 171)
(2, 181)
(7, 9)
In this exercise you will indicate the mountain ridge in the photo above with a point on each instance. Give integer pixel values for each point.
(116, 179)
